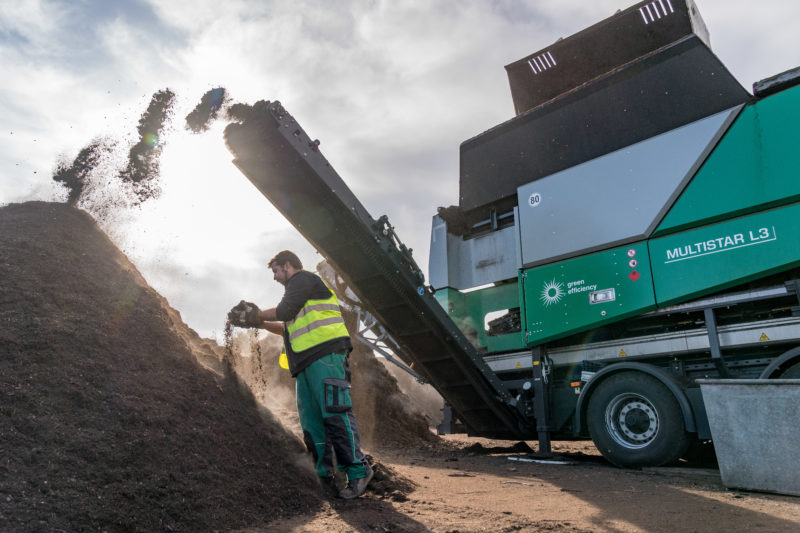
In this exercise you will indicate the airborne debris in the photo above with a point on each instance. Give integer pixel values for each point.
(201, 117)
(239, 112)
(457, 223)
(143, 163)
(141, 172)
(75, 175)
(142, 169)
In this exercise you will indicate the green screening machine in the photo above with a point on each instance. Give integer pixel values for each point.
(634, 227)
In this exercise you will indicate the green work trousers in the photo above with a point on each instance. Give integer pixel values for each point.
(326, 416)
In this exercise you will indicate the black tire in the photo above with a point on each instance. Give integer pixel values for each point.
(635, 421)
(787, 368)
(793, 372)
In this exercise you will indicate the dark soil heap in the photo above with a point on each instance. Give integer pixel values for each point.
(107, 420)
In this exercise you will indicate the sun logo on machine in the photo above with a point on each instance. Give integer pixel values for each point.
(552, 292)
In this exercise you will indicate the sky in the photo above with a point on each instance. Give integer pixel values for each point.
(389, 87)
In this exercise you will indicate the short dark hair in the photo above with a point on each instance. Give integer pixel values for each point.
(286, 257)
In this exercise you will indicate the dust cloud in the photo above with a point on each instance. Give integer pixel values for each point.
(423, 398)
(254, 357)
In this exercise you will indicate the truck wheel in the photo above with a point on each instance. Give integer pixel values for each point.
(793, 372)
(787, 366)
(635, 421)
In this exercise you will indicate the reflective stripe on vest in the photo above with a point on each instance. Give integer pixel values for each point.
(317, 322)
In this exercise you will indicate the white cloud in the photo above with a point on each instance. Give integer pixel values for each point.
(32, 24)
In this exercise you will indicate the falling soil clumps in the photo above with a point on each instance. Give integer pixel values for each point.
(457, 222)
(143, 161)
(201, 117)
(240, 112)
(75, 175)
(141, 171)
(109, 422)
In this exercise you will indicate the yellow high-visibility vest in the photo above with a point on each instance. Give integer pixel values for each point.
(317, 322)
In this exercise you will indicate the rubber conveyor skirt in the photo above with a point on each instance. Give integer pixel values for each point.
(277, 156)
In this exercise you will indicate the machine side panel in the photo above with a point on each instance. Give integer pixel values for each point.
(708, 259)
(755, 166)
(463, 264)
(585, 292)
(667, 90)
(616, 198)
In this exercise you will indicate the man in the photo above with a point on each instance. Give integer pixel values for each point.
(317, 347)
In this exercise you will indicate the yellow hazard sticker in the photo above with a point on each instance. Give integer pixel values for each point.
(763, 337)
(519, 365)
(622, 353)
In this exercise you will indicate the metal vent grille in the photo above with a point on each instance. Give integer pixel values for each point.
(656, 10)
(542, 62)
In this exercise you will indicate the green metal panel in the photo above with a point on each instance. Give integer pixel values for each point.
(469, 309)
(755, 166)
(581, 293)
(711, 258)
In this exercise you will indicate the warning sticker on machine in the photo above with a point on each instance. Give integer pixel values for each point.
(724, 243)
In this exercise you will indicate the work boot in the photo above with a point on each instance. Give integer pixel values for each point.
(356, 487)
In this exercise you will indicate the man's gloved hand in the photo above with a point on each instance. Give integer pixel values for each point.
(245, 315)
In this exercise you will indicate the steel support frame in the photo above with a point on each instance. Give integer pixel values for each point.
(370, 324)
(713, 342)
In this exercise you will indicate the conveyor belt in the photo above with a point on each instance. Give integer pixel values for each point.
(277, 156)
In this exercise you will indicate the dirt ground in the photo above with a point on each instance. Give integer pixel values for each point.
(115, 416)
(458, 490)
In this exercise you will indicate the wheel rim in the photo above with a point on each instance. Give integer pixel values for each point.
(632, 421)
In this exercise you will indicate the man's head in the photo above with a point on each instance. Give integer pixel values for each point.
(284, 266)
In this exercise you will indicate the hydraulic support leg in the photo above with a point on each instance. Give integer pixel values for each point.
(541, 401)
(713, 340)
